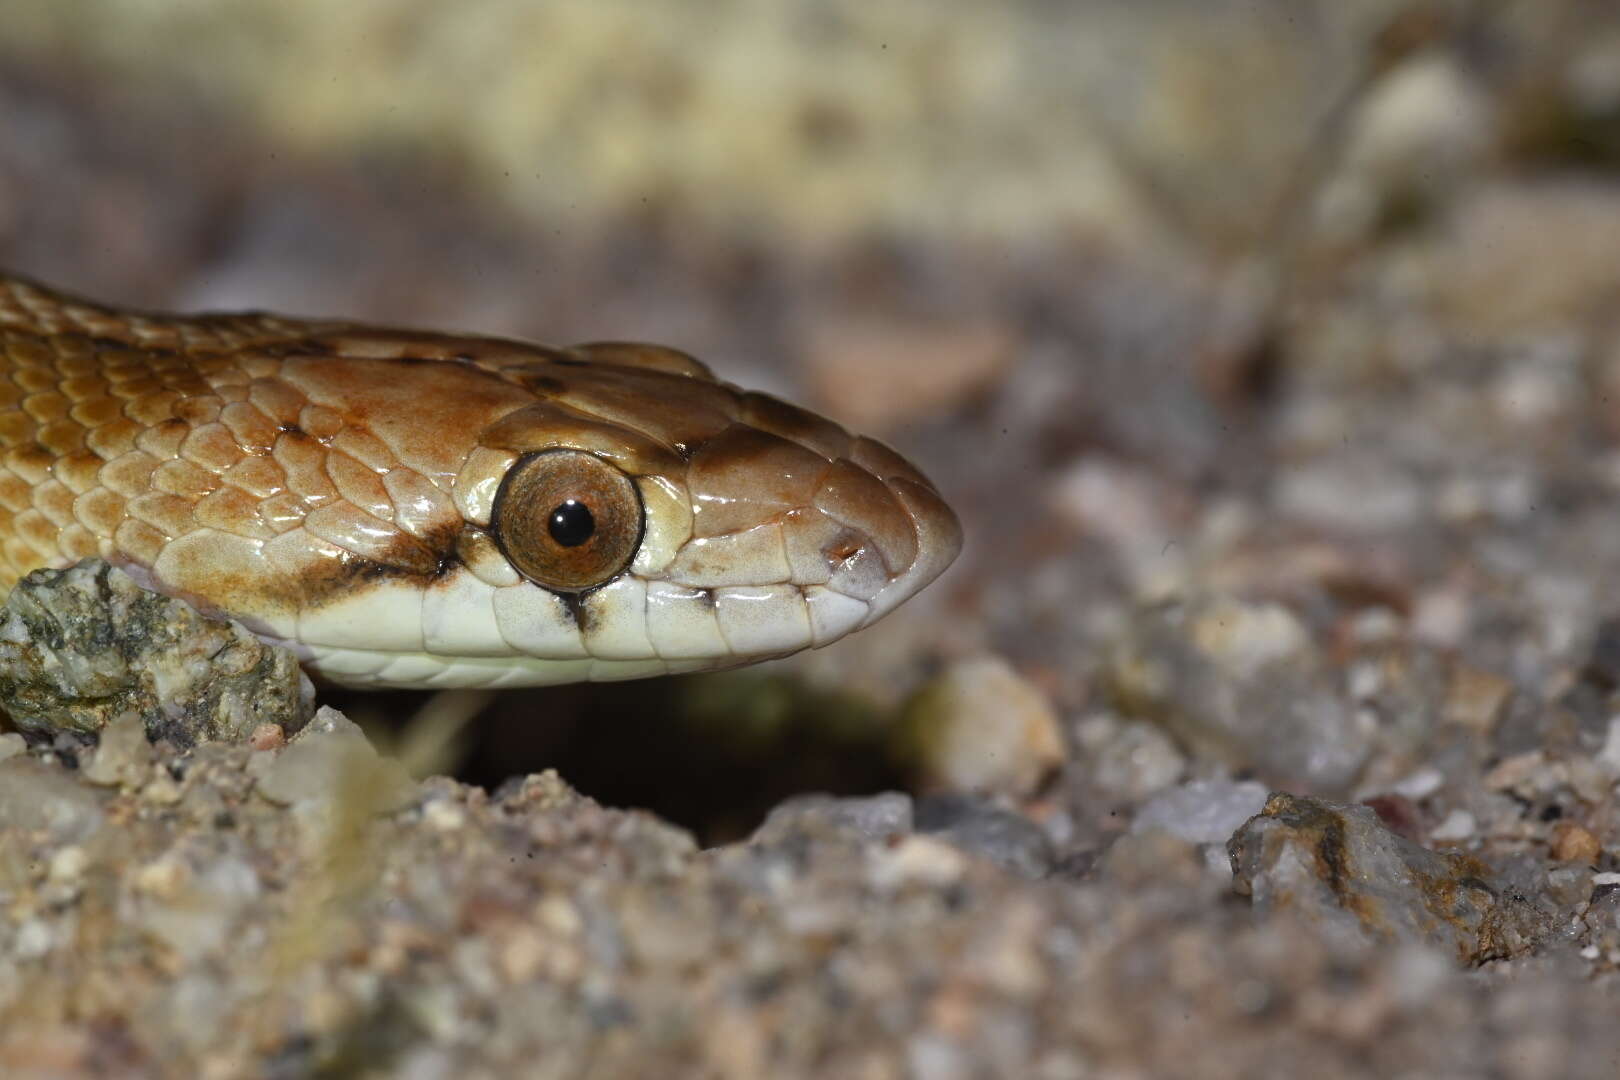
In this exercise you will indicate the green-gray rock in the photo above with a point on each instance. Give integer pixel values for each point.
(82, 646)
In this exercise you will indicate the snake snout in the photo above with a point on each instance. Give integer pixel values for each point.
(879, 533)
(939, 536)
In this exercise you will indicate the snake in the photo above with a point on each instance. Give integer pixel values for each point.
(415, 509)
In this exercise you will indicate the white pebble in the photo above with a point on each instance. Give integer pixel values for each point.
(1458, 825)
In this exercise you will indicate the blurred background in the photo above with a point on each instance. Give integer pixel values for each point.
(1299, 312)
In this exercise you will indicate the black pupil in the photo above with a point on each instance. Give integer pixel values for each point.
(571, 523)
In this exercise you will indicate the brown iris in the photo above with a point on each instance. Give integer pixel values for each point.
(567, 519)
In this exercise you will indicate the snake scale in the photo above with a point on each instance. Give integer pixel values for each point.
(416, 509)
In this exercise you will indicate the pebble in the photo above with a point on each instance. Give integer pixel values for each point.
(68, 865)
(1242, 684)
(162, 878)
(1419, 784)
(1574, 843)
(331, 760)
(1457, 826)
(1128, 508)
(982, 727)
(267, 737)
(1350, 496)
(37, 795)
(1202, 811)
(915, 860)
(1126, 761)
(973, 825)
(1569, 886)
(122, 756)
(32, 940)
(1425, 121)
(442, 815)
(1246, 638)
(1608, 758)
(1338, 866)
(869, 818)
(162, 790)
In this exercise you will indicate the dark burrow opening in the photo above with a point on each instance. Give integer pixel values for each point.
(711, 753)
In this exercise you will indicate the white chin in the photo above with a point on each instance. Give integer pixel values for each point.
(419, 671)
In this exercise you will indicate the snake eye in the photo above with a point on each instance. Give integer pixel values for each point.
(566, 519)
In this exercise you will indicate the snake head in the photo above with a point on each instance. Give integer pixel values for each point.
(606, 511)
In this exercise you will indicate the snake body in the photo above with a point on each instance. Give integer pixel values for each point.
(408, 508)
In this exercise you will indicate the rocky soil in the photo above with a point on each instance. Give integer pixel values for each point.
(1270, 724)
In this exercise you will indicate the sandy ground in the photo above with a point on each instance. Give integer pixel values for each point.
(1269, 354)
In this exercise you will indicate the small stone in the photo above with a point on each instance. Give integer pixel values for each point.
(521, 955)
(1350, 495)
(1131, 509)
(67, 866)
(192, 909)
(920, 860)
(1202, 811)
(162, 791)
(1008, 956)
(163, 878)
(871, 818)
(335, 760)
(560, 915)
(1607, 758)
(982, 727)
(1419, 784)
(267, 737)
(1518, 258)
(1587, 780)
(1440, 618)
(1246, 638)
(12, 744)
(1476, 699)
(1126, 761)
(1573, 843)
(32, 940)
(82, 647)
(1427, 120)
(123, 755)
(1519, 773)
(1243, 684)
(36, 795)
(1569, 885)
(1009, 840)
(443, 816)
(1337, 866)
(329, 721)
(1457, 826)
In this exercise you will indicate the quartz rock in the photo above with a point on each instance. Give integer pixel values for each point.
(123, 754)
(1201, 811)
(1339, 868)
(332, 761)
